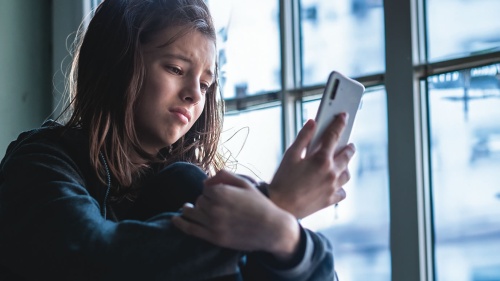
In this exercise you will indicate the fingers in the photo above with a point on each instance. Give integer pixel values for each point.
(341, 164)
(215, 202)
(331, 135)
(195, 221)
(194, 215)
(227, 178)
(341, 161)
(303, 138)
(344, 156)
(190, 227)
(344, 177)
(182, 221)
(338, 196)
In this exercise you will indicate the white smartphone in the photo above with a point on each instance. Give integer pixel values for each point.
(342, 94)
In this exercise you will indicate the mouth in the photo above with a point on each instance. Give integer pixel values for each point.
(181, 113)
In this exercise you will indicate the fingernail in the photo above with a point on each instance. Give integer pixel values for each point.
(309, 122)
(186, 205)
(343, 115)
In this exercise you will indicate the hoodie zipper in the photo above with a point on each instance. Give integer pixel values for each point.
(108, 178)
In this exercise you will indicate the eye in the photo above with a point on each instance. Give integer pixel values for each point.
(204, 87)
(174, 70)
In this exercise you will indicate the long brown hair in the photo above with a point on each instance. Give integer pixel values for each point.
(106, 77)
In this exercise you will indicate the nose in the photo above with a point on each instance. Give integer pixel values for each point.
(191, 92)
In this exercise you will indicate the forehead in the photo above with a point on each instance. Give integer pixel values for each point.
(184, 43)
(178, 36)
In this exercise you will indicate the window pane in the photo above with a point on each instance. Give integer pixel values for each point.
(252, 140)
(359, 227)
(465, 161)
(248, 45)
(342, 35)
(458, 28)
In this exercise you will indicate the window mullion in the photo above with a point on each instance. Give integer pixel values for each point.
(404, 149)
(290, 67)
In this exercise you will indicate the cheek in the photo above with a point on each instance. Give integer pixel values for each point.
(156, 81)
(199, 108)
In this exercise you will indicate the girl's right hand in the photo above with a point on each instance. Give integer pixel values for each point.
(232, 213)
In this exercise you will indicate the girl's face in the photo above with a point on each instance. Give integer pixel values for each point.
(173, 95)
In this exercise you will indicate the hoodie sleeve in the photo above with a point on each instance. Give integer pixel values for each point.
(315, 263)
(51, 228)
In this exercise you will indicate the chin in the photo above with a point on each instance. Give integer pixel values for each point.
(170, 142)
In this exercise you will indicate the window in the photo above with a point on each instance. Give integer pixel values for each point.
(249, 59)
(344, 35)
(250, 129)
(462, 28)
(423, 202)
(465, 160)
(249, 63)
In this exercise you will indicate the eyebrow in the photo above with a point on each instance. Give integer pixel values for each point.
(186, 59)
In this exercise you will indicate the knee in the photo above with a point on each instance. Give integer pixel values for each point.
(184, 169)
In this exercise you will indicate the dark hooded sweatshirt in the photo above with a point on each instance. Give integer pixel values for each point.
(56, 223)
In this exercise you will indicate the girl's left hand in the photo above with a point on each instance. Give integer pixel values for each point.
(232, 213)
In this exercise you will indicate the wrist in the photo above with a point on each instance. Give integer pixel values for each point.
(285, 247)
(276, 197)
(283, 201)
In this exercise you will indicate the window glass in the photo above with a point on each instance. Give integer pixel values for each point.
(465, 164)
(252, 142)
(342, 35)
(458, 28)
(249, 59)
(358, 227)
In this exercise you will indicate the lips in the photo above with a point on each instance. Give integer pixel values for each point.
(182, 113)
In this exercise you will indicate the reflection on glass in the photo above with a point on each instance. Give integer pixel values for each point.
(465, 161)
(252, 142)
(248, 45)
(458, 28)
(359, 227)
(342, 35)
